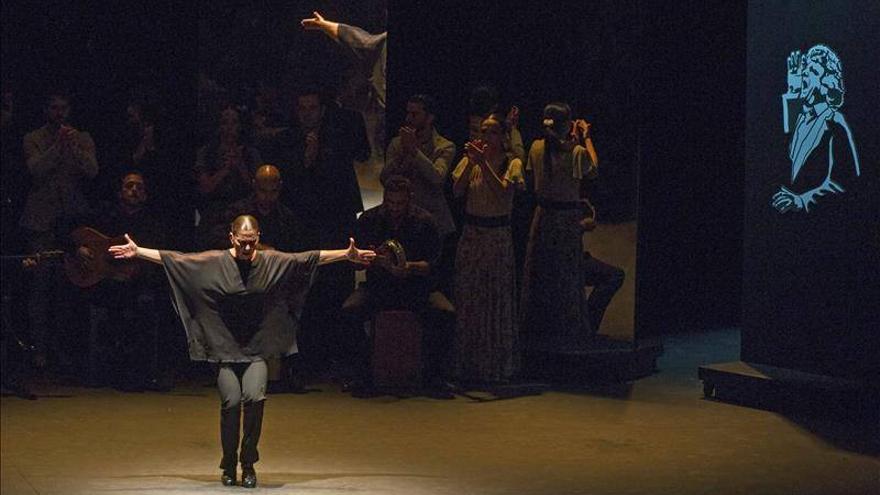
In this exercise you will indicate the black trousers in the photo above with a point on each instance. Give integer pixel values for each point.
(606, 280)
(242, 394)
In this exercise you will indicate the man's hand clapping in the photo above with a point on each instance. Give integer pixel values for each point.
(312, 148)
(67, 138)
(581, 130)
(408, 141)
(476, 151)
(512, 117)
(147, 140)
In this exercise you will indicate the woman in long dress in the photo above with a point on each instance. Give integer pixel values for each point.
(485, 284)
(554, 309)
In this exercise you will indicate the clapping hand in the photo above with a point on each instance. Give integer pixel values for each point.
(232, 157)
(513, 117)
(581, 130)
(66, 137)
(147, 139)
(476, 151)
(408, 140)
(312, 146)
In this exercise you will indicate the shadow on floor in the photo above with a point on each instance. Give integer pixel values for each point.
(269, 479)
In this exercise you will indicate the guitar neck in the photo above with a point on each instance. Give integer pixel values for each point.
(42, 254)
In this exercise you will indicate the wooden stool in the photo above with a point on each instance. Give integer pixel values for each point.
(397, 350)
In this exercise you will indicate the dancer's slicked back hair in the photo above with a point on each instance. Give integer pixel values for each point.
(244, 223)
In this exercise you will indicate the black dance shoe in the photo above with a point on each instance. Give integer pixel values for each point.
(248, 477)
(228, 478)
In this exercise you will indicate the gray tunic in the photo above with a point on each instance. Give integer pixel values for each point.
(228, 319)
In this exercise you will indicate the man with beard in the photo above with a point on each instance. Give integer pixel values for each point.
(423, 156)
(126, 347)
(411, 286)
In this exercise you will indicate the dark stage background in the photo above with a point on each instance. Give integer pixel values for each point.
(811, 286)
(691, 174)
(663, 85)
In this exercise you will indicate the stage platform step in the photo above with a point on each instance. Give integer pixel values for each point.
(604, 360)
(783, 389)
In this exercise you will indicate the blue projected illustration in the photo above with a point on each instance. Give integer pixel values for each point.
(822, 152)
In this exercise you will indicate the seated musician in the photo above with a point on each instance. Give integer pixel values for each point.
(391, 284)
(124, 316)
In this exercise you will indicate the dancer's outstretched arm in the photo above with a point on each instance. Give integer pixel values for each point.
(318, 23)
(132, 250)
(353, 254)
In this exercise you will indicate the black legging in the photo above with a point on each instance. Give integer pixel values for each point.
(242, 388)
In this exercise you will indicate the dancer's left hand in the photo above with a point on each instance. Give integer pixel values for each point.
(360, 256)
(314, 23)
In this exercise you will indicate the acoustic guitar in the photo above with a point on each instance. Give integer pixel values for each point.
(86, 272)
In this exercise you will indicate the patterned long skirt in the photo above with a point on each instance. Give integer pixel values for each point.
(485, 305)
(554, 309)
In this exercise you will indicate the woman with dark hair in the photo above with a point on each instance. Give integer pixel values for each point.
(554, 309)
(485, 274)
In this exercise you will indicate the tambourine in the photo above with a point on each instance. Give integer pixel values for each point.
(392, 253)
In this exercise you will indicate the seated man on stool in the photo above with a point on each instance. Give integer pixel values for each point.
(411, 286)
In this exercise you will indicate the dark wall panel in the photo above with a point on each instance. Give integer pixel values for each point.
(811, 289)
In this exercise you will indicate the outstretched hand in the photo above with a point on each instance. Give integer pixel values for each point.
(124, 251)
(313, 22)
(360, 256)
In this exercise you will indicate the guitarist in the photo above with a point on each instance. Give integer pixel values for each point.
(124, 314)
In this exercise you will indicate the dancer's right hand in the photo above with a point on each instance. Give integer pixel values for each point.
(124, 251)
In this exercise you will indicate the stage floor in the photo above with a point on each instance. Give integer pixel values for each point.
(657, 436)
